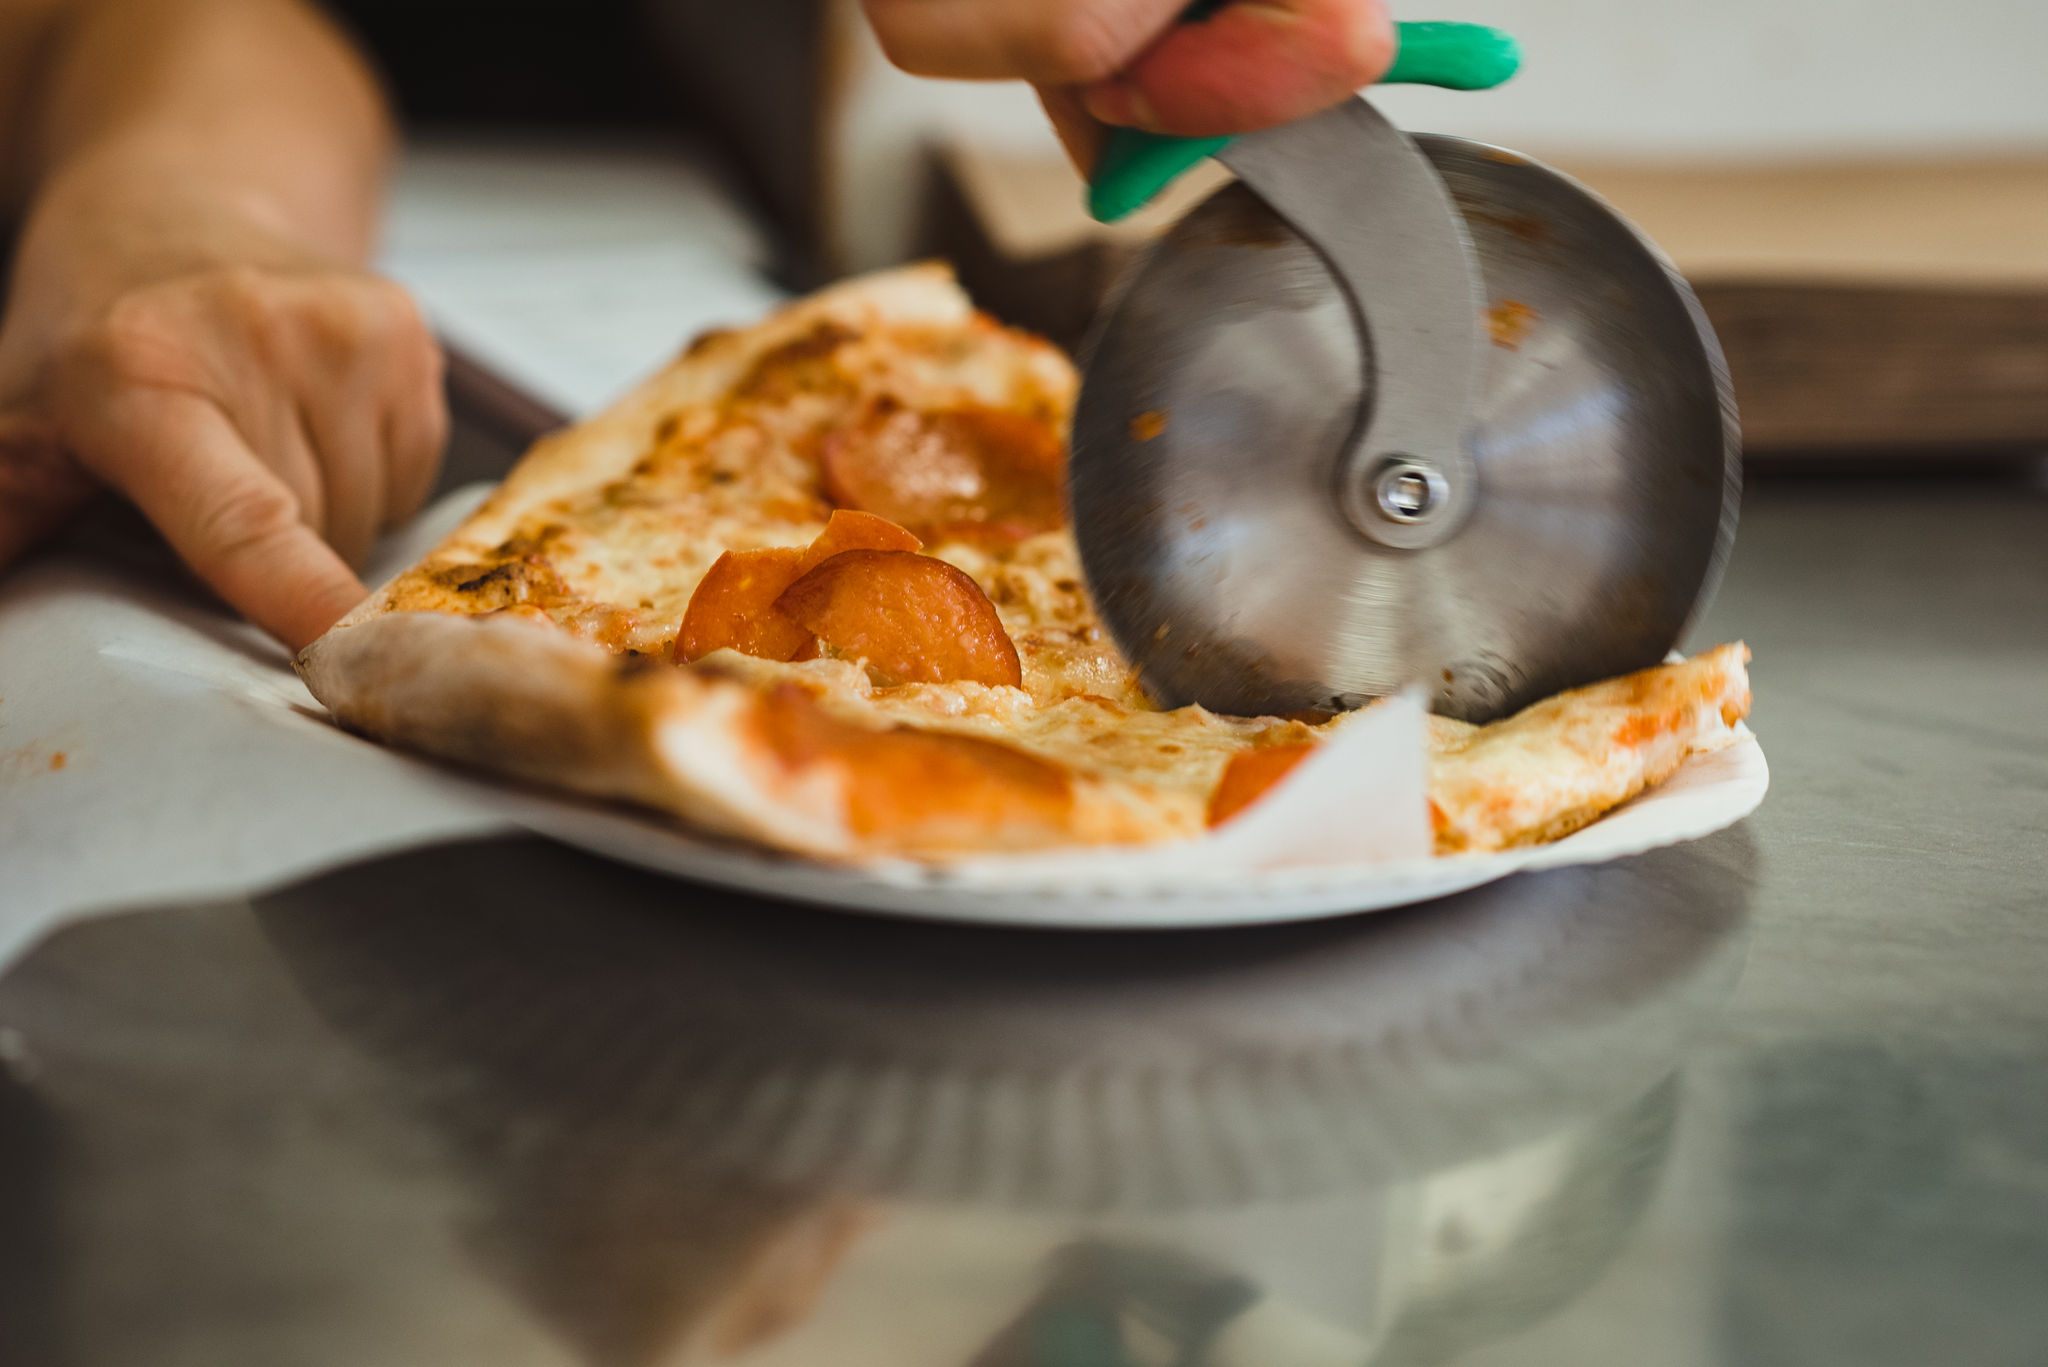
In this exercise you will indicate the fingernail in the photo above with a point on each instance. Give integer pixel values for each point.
(1117, 103)
(1272, 14)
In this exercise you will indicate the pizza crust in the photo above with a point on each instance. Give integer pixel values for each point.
(1565, 761)
(524, 700)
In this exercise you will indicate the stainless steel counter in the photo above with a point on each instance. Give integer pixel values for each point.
(1777, 1097)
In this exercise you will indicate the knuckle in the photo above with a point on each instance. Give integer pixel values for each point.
(255, 306)
(338, 327)
(420, 433)
(414, 359)
(405, 322)
(130, 343)
(428, 359)
(328, 321)
(247, 294)
(369, 315)
(395, 300)
(435, 418)
(245, 516)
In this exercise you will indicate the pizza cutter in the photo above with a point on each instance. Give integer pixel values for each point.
(1394, 411)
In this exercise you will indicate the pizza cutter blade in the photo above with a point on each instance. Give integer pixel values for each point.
(1393, 411)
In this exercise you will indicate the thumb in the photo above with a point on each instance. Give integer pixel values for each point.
(41, 486)
(1253, 64)
(226, 514)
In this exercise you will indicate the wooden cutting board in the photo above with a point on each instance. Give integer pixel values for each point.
(1864, 308)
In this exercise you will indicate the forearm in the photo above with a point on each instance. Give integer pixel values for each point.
(230, 114)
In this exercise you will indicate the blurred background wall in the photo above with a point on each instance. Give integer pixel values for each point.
(1634, 80)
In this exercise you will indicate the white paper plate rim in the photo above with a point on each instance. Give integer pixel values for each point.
(1709, 792)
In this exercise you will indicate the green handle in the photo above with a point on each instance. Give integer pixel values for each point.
(1136, 165)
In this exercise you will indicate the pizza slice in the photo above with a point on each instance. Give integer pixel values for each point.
(811, 586)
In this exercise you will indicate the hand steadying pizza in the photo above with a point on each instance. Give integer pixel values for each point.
(1252, 64)
(188, 323)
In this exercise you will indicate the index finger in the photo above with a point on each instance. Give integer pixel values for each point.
(180, 460)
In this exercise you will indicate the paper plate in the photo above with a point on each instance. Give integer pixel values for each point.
(1710, 791)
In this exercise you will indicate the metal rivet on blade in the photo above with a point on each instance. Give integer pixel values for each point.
(1410, 490)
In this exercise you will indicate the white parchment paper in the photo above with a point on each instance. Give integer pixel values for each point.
(153, 749)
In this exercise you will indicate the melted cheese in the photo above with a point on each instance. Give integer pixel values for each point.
(617, 564)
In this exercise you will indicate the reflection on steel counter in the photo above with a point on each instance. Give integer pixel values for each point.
(751, 1127)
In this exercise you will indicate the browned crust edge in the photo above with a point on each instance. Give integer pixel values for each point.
(524, 700)
(1679, 709)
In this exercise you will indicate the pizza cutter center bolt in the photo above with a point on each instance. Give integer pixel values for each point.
(1409, 491)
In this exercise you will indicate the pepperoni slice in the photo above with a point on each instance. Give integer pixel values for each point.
(911, 617)
(1250, 774)
(857, 531)
(734, 607)
(975, 473)
(924, 789)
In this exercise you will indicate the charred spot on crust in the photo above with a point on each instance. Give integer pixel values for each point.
(800, 364)
(507, 584)
(503, 581)
(531, 545)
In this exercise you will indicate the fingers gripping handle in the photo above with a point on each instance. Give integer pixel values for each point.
(1136, 165)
